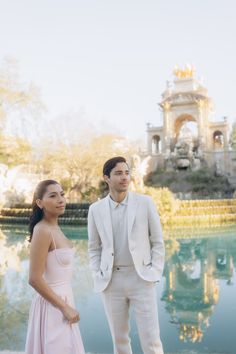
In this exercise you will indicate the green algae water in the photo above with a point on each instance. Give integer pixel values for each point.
(196, 297)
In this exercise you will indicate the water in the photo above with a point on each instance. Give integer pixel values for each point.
(197, 306)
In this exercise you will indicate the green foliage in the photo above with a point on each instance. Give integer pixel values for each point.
(201, 184)
(206, 183)
(14, 151)
(15, 95)
(103, 188)
(78, 167)
(175, 213)
(166, 203)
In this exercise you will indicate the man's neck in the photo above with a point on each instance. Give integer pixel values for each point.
(118, 197)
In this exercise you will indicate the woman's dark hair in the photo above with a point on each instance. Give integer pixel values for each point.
(37, 213)
(111, 163)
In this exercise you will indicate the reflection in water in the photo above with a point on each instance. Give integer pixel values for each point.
(11, 256)
(192, 288)
(195, 270)
(16, 294)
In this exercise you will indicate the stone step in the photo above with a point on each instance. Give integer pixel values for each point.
(179, 352)
(25, 220)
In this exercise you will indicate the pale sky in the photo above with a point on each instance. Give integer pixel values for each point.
(111, 58)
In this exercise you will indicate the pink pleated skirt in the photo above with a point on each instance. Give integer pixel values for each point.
(48, 331)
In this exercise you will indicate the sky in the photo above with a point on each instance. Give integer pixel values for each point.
(110, 59)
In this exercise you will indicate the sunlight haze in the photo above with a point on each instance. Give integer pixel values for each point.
(111, 59)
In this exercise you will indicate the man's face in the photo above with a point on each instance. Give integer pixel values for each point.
(119, 179)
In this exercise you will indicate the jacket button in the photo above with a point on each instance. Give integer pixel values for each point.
(112, 254)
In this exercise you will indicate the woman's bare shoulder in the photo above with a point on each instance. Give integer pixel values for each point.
(42, 232)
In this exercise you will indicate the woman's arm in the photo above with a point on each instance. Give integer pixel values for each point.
(40, 245)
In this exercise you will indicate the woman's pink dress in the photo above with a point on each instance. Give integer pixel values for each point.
(48, 331)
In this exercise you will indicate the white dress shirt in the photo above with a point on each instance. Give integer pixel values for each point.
(122, 255)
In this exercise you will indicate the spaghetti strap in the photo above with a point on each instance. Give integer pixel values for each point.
(54, 243)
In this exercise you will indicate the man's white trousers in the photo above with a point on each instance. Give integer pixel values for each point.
(126, 289)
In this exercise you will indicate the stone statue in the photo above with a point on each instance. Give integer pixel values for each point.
(218, 169)
(138, 171)
(196, 164)
(186, 72)
(182, 157)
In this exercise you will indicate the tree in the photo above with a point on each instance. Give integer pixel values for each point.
(14, 151)
(79, 167)
(18, 98)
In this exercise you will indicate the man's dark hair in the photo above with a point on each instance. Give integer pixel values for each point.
(111, 163)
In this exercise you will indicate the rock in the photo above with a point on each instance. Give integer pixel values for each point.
(183, 163)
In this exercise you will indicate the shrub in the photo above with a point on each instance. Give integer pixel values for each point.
(165, 201)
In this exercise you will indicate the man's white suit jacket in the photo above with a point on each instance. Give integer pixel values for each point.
(144, 238)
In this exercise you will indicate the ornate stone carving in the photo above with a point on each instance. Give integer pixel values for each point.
(186, 100)
(166, 106)
(186, 72)
(139, 170)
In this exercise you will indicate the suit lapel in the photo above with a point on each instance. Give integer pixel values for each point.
(106, 217)
(106, 214)
(131, 211)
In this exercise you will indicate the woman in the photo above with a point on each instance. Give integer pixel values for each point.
(52, 327)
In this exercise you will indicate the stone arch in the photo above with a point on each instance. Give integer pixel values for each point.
(191, 123)
(156, 144)
(218, 139)
(180, 120)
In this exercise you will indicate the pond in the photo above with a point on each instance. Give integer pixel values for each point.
(196, 297)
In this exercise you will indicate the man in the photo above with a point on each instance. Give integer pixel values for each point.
(126, 252)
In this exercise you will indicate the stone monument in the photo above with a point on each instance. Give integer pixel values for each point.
(190, 136)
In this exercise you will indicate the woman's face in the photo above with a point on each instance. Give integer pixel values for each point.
(53, 201)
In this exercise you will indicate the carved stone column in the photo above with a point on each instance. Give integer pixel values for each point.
(149, 139)
(167, 127)
(201, 128)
